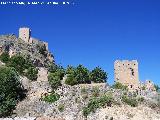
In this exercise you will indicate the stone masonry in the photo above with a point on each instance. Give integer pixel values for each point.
(126, 72)
(25, 34)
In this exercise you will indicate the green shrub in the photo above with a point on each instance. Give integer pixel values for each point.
(95, 92)
(70, 70)
(4, 57)
(98, 75)
(42, 50)
(54, 80)
(70, 80)
(51, 98)
(118, 85)
(157, 87)
(56, 76)
(32, 73)
(61, 107)
(82, 75)
(10, 90)
(18, 62)
(140, 99)
(95, 103)
(83, 90)
(143, 88)
(130, 101)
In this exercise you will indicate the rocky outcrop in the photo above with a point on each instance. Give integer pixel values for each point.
(36, 52)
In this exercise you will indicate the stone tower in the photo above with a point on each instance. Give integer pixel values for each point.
(126, 72)
(24, 34)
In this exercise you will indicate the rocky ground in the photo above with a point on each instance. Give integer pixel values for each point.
(74, 98)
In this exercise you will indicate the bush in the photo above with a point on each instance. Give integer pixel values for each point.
(140, 99)
(18, 62)
(70, 80)
(10, 90)
(54, 80)
(82, 75)
(98, 75)
(95, 92)
(61, 107)
(157, 87)
(130, 101)
(4, 57)
(32, 73)
(56, 76)
(70, 70)
(97, 103)
(51, 98)
(118, 85)
(143, 88)
(42, 50)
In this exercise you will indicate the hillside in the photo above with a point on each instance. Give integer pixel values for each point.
(74, 93)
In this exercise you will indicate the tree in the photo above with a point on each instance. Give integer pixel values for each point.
(54, 80)
(4, 57)
(157, 87)
(98, 75)
(70, 70)
(10, 90)
(71, 80)
(18, 62)
(82, 75)
(32, 73)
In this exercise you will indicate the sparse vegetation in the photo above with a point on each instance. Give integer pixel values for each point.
(140, 99)
(95, 92)
(118, 85)
(61, 107)
(130, 101)
(97, 103)
(51, 98)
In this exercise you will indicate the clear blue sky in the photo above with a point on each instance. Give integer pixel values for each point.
(94, 32)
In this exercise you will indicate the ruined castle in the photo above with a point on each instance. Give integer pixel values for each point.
(26, 45)
(126, 72)
(25, 34)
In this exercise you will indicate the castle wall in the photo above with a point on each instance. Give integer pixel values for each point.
(126, 72)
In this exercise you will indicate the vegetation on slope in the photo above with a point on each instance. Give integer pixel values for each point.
(22, 65)
(10, 90)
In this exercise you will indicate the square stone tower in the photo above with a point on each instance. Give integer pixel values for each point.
(126, 72)
(24, 34)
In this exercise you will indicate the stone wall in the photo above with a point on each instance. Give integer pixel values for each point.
(24, 34)
(126, 72)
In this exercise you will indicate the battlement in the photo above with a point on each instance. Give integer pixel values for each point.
(126, 72)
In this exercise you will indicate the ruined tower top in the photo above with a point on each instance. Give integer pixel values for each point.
(126, 72)
(25, 34)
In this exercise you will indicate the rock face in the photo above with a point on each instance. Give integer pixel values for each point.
(36, 51)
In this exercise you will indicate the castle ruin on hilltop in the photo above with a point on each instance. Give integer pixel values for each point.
(126, 72)
(25, 34)
(26, 45)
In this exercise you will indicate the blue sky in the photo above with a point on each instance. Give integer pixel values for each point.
(94, 32)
